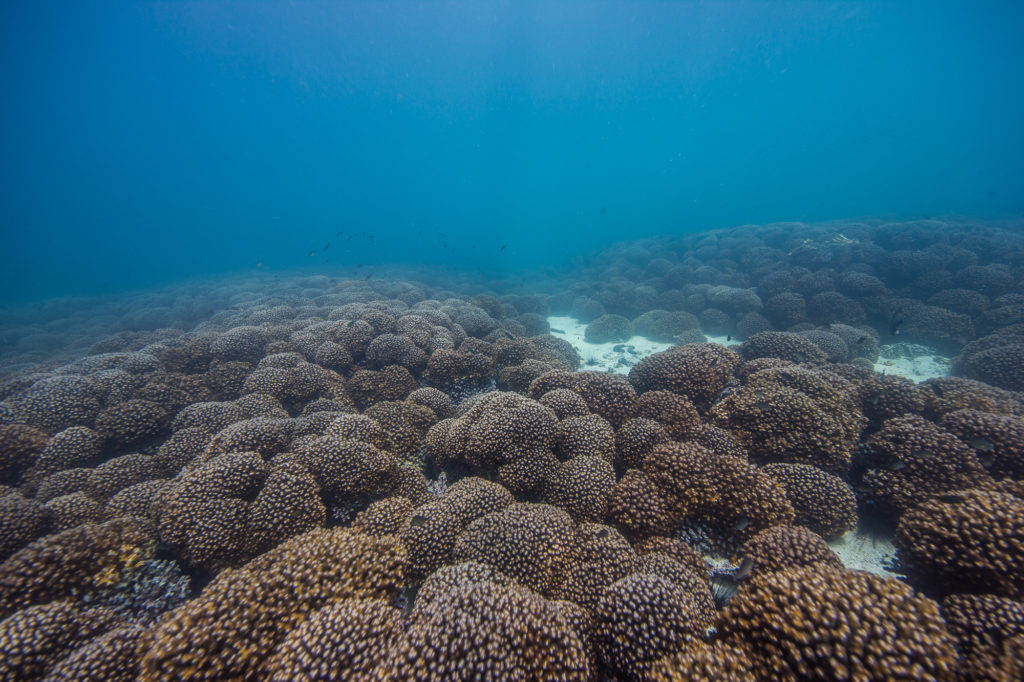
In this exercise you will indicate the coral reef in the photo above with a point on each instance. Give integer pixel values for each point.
(303, 476)
(829, 623)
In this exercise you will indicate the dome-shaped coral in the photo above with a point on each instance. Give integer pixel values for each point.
(969, 540)
(829, 623)
(698, 371)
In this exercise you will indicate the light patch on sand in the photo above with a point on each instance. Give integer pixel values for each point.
(723, 340)
(912, 361)
(615, 356)
(860, 551)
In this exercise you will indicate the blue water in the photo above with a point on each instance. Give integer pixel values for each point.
(144, 143)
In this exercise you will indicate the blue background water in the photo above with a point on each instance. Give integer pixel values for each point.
(148, 142)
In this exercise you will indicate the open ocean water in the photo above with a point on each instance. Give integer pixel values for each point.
(512, 340)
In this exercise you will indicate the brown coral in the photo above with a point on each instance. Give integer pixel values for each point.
(348, 639)
(823, 503)
(484, 631)
(783, 547)
(643, 618)
(970, 540)
(698, 371)
(241, 617)
(829, 623)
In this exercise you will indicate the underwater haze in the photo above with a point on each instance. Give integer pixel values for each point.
(489, 341)
(149, 142)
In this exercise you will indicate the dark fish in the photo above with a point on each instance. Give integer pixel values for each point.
(327, 246)
(604, 209)
(367, 278)
(862, 339)
(618, 348)
(987, 461)
(502, 247)
(340, 232)
(950, 498)
(896, 321)
(980, 444)
(420, 232)
(746, 566)
(729, 337)
(359, 265)
(759, 394)
(786, 376)
(558, 331)
(741, 524)
(602, 533)
(923, 454)
(937, 389)
(898, 465)
(723, 588)
(418, 520)
(714, 361)
(764, 405)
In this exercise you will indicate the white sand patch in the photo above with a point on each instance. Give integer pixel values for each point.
(617, 357)
(912, 361)
(722, 340)
(862, 551)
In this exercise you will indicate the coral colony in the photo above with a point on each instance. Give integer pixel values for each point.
(653, 467)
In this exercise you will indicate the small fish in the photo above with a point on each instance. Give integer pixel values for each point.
(728, 338)
(420, 232)
(786, 376)
(557, 331)
(714, 361)
(602, 533)
(418, 520)
(987, 461)
(741, 524)
(898, 465)
(259, 264)
(604, 209)
(862, 340)
(339, 233)
(759, 394)
(950, 498)
(980, 444)
(746, 566)
(367, 278)
(801, 356)
(896, 321)
(359, 265)
(327, 246)
(723, 588)
(937, 389)
(312, 253)
(502, 247)
(923, 454)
